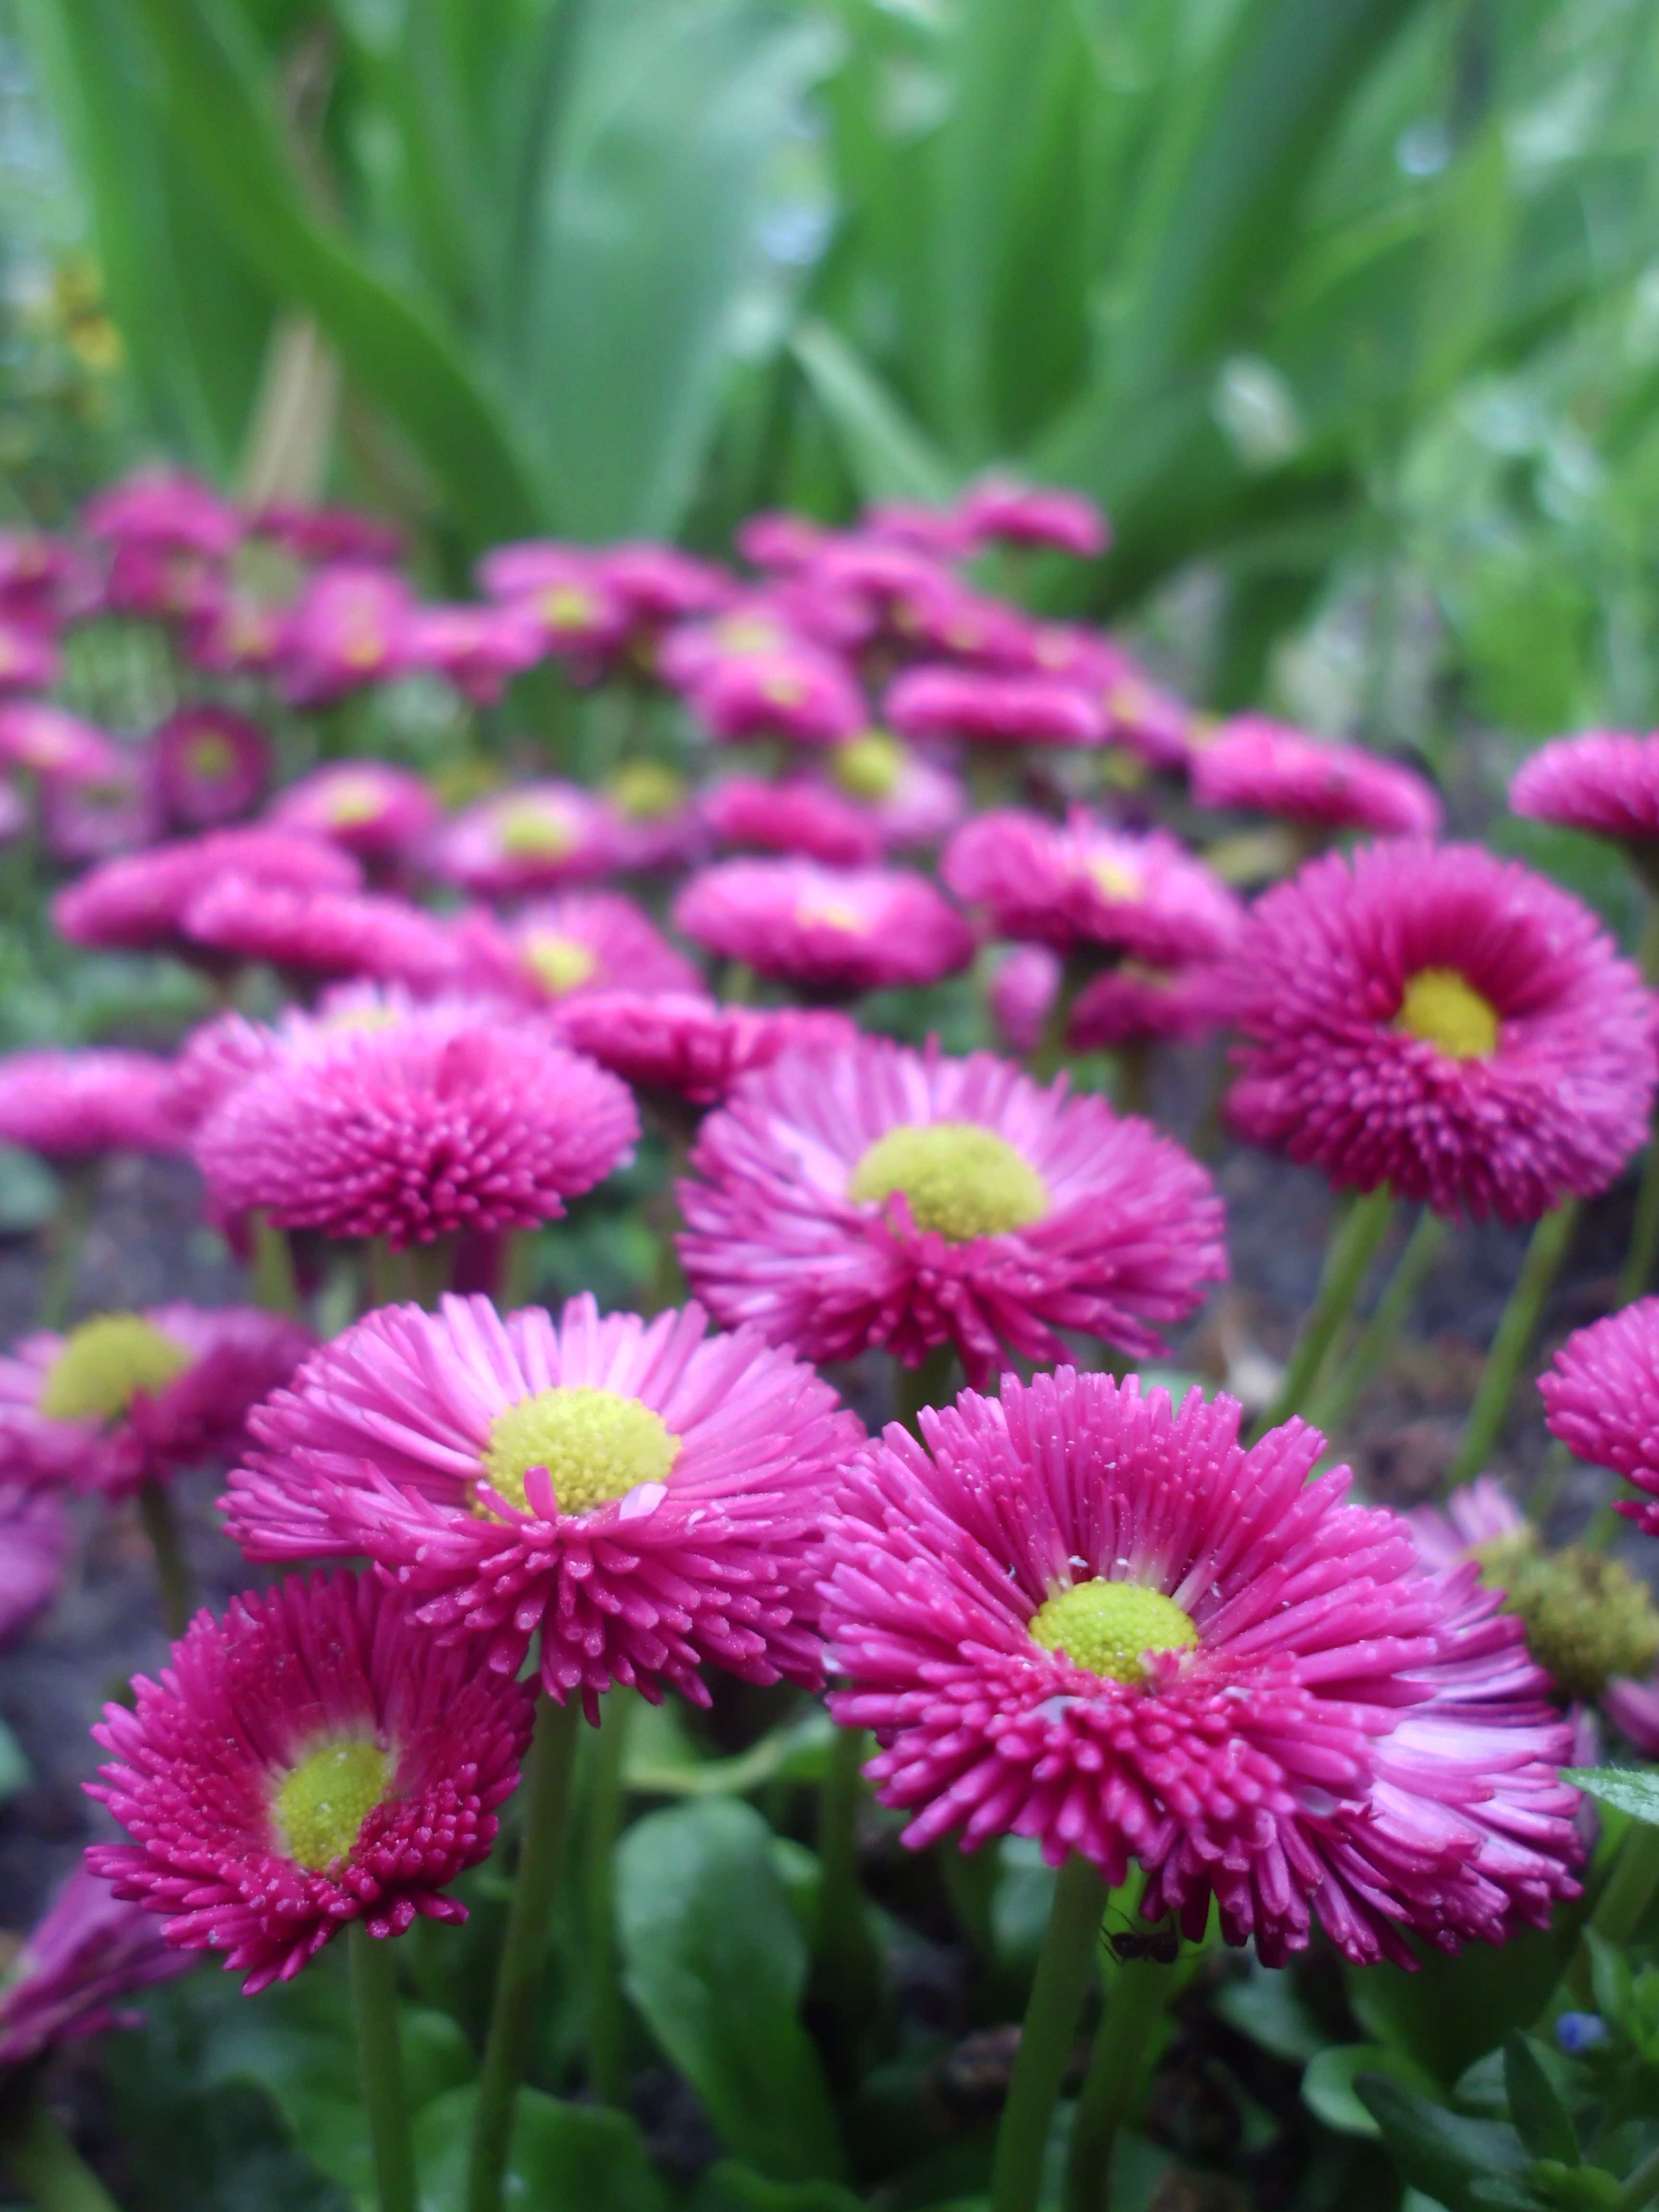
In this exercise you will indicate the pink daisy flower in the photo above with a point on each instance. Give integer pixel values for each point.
(583, 941)
(1085, 883)
(210, 764)
(1273, 770)
(477, 650)
(642, 1492)
(776, 539)
(910, 801)
(792, 816)
(1480, 1512)
(13, 814)
(1601, 1396)
(1135, 1003)
(234, 634)
(40, 576)
(120, 812)
(165, 508)
(71, 1103)
(950, 621)
(1604, 782)
(354, 624)
(659, 584)
(312, 1758)
(28, 658)
(978, 704)
(378, 812)
(532, 839)
(128, 1398)
(1082, 1616)
(1633, 1709)
(162, 583)
(54, 744)
(225, 1051)
(657, 824)
(137, 901)
(1445, 1021)
(576, 610)
(88, 1952)
(448, 1120)
(326, 933)
(1021, 994)
(877, 1196)
(999, 511)
(34, 1546)
(328, 533)
(797, 691)
(683, 1045)
(1147, 719)
(825, 929)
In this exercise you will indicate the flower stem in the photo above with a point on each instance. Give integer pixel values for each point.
(1515, 1330)
(1066, 1962)
(276, 1285)
(1643, 1247)
(849, 1967)
(381, 2066)
(64, 1239)
(1135, 1995)
(1348, 1257)
(1627, 1892)
(606, 2046)
(929, 1384)
(173, 1575)
(519, 1974)
(1332, 1406)
(36, 2151)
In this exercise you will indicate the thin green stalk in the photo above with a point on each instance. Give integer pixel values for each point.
(519, 1973)
(381, 2066)
(64, 1238)
(1136, 1993)
(1332, 1405)
(276, 1285)
(1348, 1257)
(36, 2151)
(607, 2066)
(929, 1384)
(1642, 2185)
(172, 1576)
(1064, 1967)
(391, 1274)
(849, 1965)
(431, 1266)
(1643, 1250)
(1626, 1894)
(1515, 1330)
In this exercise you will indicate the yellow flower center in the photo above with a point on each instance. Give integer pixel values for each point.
(749, 634)
(1587, 1618)
(869, 767)
(321, 1804)
(353, 799)
(212, 756)
(783, 690)
(559, 964)
(595, 1445)
(961, 1179)
(833, 913)
(1115, 878)
(105, 1363)
(645, 791)
(567, 606)
(532, 833)
(1108, 1628)
(1446, 1012)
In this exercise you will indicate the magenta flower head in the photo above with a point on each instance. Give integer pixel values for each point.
(312, 1758)
(233, 634)
(561, 588)
(993, 708)
(165, 509)
(998, 511)
(1085, 883)
(127, 1398)
(328, 533)
(54, 744)
(477, 650)
(120, 812)
(656, 821)
(1601, 1396)
(1148, 720)
(912, 801)
(353, 625)
(1445, 1021)
(1021, 994)
(137, 901)
(1604, 782)
(379, 812)
(659, 584)
(682, 1046)
(339, 933)
(34, 1546)
(1271, 769)
(1082, 1616)
(28, 658)
(75, 1103)
(88, 1952)
(533, 838)
(792, 816)
(449, 1119)
(581, 941)
(825, 930)
(775, 539)
(877, 1196)
(210, 764)
(644, 1493)
(1135, 1003)
(797, 692)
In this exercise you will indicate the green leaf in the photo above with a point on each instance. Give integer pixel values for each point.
(716, 1962)
(563, 2157)
(15, 1772)
(1264, 2003)
(1328, 2084)
(1435, 2150)
(1540, 2118)
(1632, 1789)
(730, 2187)
(1453, 2010)
(890, 456)
(663, 1761)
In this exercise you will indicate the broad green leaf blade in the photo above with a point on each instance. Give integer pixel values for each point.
(729, 2187)
(1632, 1789)
(716, 1962)
(390, 345)
(1435, 2150)
(563, 2158)
(890, 456)
(1328, 2083)
(1536, 2111)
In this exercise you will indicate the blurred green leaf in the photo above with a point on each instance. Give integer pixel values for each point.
(1451, 2010)
(563, 2157)
(663, 1762)
(1328, 2084)
(1539, 2117)
(890, 456)
(15, 1772)
(30, 1193)
(729, 2187)
(1632, 1789)
(1264, 2003)
(720, 1984)
(1436, 2151)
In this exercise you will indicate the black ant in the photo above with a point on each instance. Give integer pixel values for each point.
(1161, 1945)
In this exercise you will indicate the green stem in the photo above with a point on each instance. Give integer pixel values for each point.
(519, 1973)
(607, 2064)
(1628, 1891)
(1643, 1247)
(391, 1274)
(1332, 1406)
(1066, 1962)
(929, 1384)
(173, 1574)
(1348, 1257)
(430, 1267)
(276, 1285)
(64, 1239)
(381, 2066)
(1642, 2185)
(850, 1967)
(36, 2151)
(1135, 1994)
(1515, 1330)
